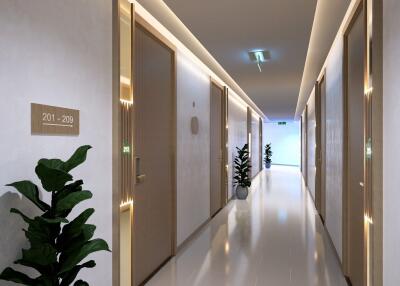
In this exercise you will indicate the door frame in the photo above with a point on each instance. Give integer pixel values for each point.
(261, 155)
(305, 134)
(320, 177)
(118, 167)
(358, 11)
(224, 142)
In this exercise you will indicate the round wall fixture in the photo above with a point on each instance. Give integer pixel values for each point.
(194, 125)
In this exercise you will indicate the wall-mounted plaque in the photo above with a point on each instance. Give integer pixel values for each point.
(194, 125)
(53, 120)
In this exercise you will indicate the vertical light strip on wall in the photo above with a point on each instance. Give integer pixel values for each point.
(226, 137)
(368, 217)
(126, 32)
(126, 102)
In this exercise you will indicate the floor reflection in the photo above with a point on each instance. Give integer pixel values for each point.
(273, 238)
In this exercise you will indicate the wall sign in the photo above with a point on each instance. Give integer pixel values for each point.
(53, 120)
(194, 125)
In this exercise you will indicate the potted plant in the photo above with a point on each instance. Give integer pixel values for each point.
(242, 170)
(268, 155)
(57, 244)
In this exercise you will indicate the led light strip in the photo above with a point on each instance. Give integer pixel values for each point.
(142, 12)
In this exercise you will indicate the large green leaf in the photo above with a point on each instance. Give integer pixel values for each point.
(42, 255)
(72, 199)
(54, 220)
(70, 276)
(46, 280)
(78, 255)
(70, 245)
(10, 274)
(52, 179)
(52, 163)
(81, 283)
(77, 158)
(41, 228)
(31, 192)
(74, 228)
(70, 188)
(36, 239)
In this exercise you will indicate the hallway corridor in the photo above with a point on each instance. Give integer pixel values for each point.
(274, 238)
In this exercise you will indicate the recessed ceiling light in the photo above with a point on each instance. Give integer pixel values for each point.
(259, 57)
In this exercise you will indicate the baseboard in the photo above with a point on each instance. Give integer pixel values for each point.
(329, 236)
(348, 281)
(288, 165)
(197, 232)
(191, 237)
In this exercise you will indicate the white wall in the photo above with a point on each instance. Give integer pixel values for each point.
(334, 144)
(255, 145)
(56, 53)
(311, 144)
(193, 158)
(237, 133)
(285, 142)
(391, 142)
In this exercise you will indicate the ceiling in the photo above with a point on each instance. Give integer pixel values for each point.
(328, 18)
(231, 28)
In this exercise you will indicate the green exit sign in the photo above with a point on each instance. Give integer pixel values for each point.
(282, 123)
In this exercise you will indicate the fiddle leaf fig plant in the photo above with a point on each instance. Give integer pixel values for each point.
(57, 245)
(268, 155)
(242, 167)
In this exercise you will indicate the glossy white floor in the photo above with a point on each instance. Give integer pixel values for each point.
(274, 238)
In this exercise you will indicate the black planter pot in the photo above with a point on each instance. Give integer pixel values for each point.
(268, 165)
(242, 193)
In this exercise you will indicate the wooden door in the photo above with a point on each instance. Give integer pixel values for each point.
(216, 118)
(153, 207)
(322, 89)
(321, 148)
(354, 67)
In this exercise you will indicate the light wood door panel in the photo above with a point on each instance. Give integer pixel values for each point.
(153, 213)
(216, 149)
(355, 175)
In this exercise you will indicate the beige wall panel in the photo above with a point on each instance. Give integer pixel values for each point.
(391, 141)
(126, 247)
(311, 143)
(334, 145)
(193, 158)
(56, 53)
(237, 136)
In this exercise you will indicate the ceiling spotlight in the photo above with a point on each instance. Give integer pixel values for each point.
(259, 57)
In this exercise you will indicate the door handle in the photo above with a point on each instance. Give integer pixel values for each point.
(362, 185)
(140, 178)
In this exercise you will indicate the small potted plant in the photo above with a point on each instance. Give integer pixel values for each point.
(58, 245)
(242, 170)
(268, 155)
